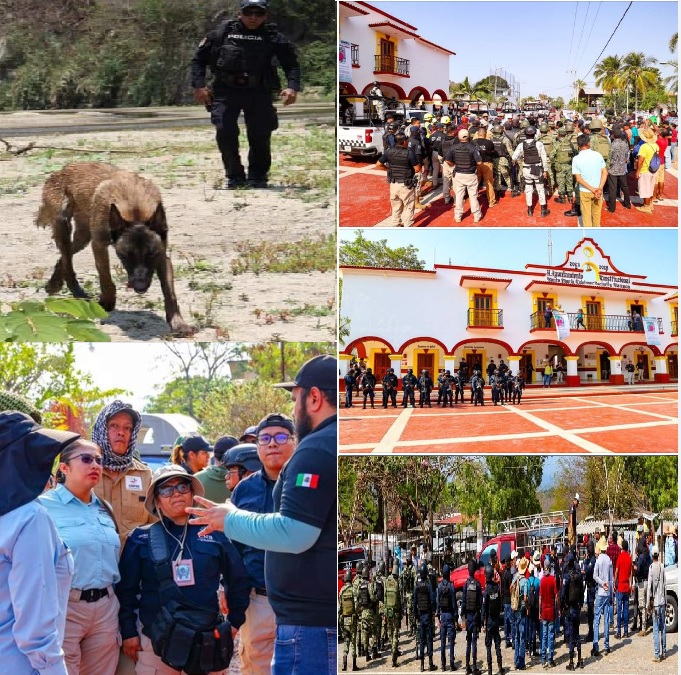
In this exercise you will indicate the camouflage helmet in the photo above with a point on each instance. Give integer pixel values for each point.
(497, 130)
(595, 124)
(348, 575)
(562, 131)
(543, 127)
(365, 572)
(524, 124)
(360, 566)
(530, 131)
(569, 126)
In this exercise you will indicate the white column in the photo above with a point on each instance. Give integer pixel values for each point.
(514, 364)
(396, 364)
(344, 364)
(450, 364)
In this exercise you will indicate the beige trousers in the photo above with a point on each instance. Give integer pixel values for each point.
(257, 636)
(402, 204)
(150, 664)
(92, 640)
(466, 183)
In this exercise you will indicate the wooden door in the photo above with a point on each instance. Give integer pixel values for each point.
(542, 304)
(425, 362)
(381, 365)
(387, 56)
(594, 319)
(474, 362)
(673, 365)
(482, 315)
(639, 309)
(646, 365)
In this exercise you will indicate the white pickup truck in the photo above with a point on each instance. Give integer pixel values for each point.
(362, 124)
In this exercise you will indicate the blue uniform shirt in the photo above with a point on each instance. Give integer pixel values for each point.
(254, 493)
(89, 531)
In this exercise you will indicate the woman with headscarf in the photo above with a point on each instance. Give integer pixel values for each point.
(86, 525)
(35, 566)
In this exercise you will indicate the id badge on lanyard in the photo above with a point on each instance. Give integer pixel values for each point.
(183, 572)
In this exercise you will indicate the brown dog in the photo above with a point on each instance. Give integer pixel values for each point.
(109, 206)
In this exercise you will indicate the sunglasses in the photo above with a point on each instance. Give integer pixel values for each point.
(279, 439)
(253, 12)
(88, 459)
(180, 488)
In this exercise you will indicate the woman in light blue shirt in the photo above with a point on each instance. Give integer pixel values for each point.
(86, 525)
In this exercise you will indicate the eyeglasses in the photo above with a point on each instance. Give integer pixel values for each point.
(232, 471)
(253, 12)
(279, 439)
(88, 459)
(180, 488)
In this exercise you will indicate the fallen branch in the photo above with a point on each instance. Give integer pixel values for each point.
(16, 150)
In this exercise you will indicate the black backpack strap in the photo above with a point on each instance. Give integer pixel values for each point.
(160, 556)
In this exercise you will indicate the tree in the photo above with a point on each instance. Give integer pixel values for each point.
(672, 82)
(657, 480)
(609, 77)
(514, 481)
(673, 42)
(280, 361)
(470, 91)
(365, 253)
(179, 395)
(559, 102)
(639, 74)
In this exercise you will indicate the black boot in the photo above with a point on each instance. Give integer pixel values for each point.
(501, 669)
(571, 665)
(394, 660)
(489, 669)
(423, 670)
(345, 662)
(573, 211)
(431, 665)
(530, 211)
(364, 407)
(545, 211)
(355, 668)
(559, 199)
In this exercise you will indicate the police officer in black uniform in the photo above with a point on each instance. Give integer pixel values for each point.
(424, 605)
(240, 55)
(491, 612)
(368, 384)
(446, 613)
(350, 382)
(470, 608)
(425, 387)
(409, 382)
(389, 383)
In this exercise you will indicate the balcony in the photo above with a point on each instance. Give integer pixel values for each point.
(485, 318)
(675, 328)
(354, 55)
(391, 64)
(611, 323)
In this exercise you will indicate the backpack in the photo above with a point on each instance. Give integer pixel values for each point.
(654, 162)
(575, 592)
(515, 594)
(533, 596)
(380, 588)
(471, 597)
(363, 595)
(391, 595)
(347, 601)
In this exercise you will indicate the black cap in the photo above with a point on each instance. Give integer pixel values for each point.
(222, 445)
(195, 443)
(275, 420)
(250, 431)
(320, 371)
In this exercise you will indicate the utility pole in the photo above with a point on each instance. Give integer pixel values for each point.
(549, 243)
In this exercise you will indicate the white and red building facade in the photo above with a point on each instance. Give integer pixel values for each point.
(436, 318)
(386, 49)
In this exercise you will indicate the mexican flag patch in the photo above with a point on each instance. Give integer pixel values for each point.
(307, 480)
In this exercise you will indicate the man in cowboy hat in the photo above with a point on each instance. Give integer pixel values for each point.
(572, 524)
(603, 576)
(521, 614)
(646, 179)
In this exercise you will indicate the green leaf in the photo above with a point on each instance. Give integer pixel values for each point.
(77, 308)
(29, 307)
(40, 328)
(84, 331)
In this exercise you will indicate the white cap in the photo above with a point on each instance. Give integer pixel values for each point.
(656, 550)
(577, 496)
(514, 555)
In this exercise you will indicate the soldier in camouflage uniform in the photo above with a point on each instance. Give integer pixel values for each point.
(359, 645)
(408, 581)
(502, 162)
(549, 141)
(393, 609)
(366, 601)
(381, 630)
(561, 159)
(347, 619)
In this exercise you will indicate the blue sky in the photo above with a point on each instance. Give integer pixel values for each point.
(653, 252)
(539, 42)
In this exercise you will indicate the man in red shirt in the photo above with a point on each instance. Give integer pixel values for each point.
(548, 593)
(623, 574)
(662, 143)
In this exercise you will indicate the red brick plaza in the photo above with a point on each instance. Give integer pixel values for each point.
(600, 419)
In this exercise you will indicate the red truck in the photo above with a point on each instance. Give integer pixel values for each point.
(349, 557)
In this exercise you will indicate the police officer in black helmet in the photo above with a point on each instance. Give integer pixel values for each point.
(240, 55)
(424, 603)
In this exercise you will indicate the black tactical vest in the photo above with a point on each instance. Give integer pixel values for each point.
(399, 166)
(494, 601)
(463, 158)
(530, 153)
(422, 596)
(500, 147)
(471, 596)
(445, 599)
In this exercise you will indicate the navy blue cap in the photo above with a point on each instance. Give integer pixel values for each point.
(320, 371)
(195, 443)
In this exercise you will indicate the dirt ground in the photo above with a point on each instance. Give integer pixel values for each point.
(214, 234)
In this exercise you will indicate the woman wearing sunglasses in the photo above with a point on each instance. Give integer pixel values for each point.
(86, 526)
(169, 582)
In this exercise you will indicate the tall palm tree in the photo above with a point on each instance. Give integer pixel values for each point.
(608, 76)
(672, 82)
(673, 41)
(639, 73)
(466, 89)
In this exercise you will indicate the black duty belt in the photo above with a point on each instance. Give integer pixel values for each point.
(261, 591)
(93, 594)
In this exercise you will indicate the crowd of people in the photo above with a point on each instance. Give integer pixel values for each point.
(97, 552)
(583, 162)
(532, 597)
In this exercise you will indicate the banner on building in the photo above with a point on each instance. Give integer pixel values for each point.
(344, 61)
(652, 330)
(562, 324)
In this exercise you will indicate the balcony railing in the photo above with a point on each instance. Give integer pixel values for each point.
(486, 318)
(675, 328)
(616, 323)
(391, 64)
(354, 55)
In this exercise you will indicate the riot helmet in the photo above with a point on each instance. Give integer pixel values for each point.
(244, 456)
(348, 576)
(423, 572)
(445, 572)
(530, 132)
(489, 573)
(365, 572)
(472, 567)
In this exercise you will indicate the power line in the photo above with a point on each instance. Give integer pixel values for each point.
(610, 38)
(572, 37)
(598, 9)
(579, 44)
